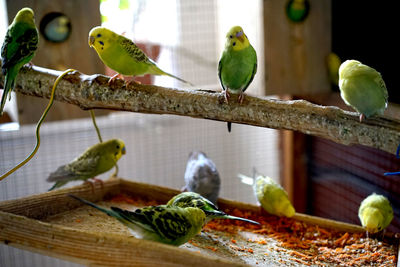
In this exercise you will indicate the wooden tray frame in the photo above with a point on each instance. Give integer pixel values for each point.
(20, 227)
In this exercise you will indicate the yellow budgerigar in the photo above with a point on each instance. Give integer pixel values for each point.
(362, 88)
(375, 213)
(271, 195)
(96, 160)
(122, 55)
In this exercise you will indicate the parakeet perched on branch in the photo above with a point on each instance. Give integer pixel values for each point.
(238, 64)
(375, 213)
(362, 88)
(96, 160)
(201, 176)
(169, 225)
(191, 199)
(271, 195)
(19, 46)
(122, 55)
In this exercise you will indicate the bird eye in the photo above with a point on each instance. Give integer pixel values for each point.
(234, 43)
(118, 146)
(99, 35)
(230, 36)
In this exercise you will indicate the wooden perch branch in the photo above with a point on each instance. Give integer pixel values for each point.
(93, 92)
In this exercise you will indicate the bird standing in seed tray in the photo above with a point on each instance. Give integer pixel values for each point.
(271, 195)
(201, 176)
(96, 160)
(19, 46)
(362, 88)
(238, 64)
(169, 225)
(375, 213)
(122, 55)
(192, 199)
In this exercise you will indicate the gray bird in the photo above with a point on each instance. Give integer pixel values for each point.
(201, 176)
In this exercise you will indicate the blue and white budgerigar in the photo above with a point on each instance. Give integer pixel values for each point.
(169, 225)
(19, 47)
(238, 64)
(192, 199)
(362, 88)
(201, 176)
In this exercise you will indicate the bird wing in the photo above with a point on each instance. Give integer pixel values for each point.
(166, 222)
(220, 71)
(133, 51)
(251, 78)
(137, 217)
(80, 168)
(26, 45)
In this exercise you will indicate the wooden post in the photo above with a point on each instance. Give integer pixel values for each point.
(295, 52)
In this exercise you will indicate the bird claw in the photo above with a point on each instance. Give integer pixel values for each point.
(29, 65)
(113, 78)
(227, 96)
(92, 184)
(96, 180)
(241, 98)
(362, 117)
(128, 83)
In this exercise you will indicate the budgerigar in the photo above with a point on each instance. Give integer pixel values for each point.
(362, 88)
(271, 195)
(122, 55)
(375, 213)
(201, 176)
(169, 225)
(238, 64)
(191, 199)
(96, 160)
(19, 46)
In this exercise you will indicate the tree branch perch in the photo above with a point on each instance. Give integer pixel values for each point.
(93, 92)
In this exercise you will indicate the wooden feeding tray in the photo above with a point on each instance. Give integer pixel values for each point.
(56, 225)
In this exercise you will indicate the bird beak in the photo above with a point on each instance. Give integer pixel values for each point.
(240, 36)
(91, 40)
(123, 151)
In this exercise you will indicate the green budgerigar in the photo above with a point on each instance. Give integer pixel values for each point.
(96, 160)
(19, 46)
(375, 213)
(192, 199)
(238, 64)
(123, 55)
(271, 195)
(169, 225)
(362, 88)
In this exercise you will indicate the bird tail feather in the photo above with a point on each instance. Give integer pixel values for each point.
(239, 219)
(8, 86)
(106, 211)
(158, 71)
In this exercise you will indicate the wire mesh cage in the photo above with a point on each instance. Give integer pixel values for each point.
(190, 36)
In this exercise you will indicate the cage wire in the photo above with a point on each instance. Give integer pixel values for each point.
(191, 35)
